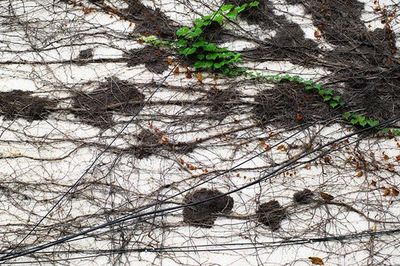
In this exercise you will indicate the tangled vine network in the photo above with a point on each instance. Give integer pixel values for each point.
(199, 132)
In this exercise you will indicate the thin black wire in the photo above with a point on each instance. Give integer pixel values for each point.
(163, 211)
(204, 248)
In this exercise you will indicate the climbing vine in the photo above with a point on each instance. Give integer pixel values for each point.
(207, 56)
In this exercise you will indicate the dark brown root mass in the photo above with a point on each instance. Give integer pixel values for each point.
(148, 21)
(376, 93)
(303, 197)
(21, 104)
(271, 214)
(154, 59)
(204, 214)
(340, 24)
(96, 108)
(151, 143)
(288, 105)
(222, 102)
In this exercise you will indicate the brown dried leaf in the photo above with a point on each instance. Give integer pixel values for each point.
(394, 192)
(281, 148)
(188, 73)
(326, 196)
(359, 174)
(317, 34)
(299, 117)
(387, 192)
(316, 261)
(199, 77)
(176, 70)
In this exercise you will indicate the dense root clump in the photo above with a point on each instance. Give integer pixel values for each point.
(222, 102)
(340, 23)
(148, 21)
(289, 44)
(154, 59)
(96, 108)
(288, 104)
(305, 196)
(204, 214)
(376, 93)
(21, 104)
(271, 214)
(151, 143)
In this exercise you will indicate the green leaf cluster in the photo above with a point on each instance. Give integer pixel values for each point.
(208, 56)
(328, 95)
(391, 131)
(360, 120)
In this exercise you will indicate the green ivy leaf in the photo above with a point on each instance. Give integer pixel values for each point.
(199, 44)
(203, 64)
(333, 104)
(373, 122)
(318, 87)
(225, 8)
(232, 15)
(396, 131)
(219, 65)
(309, 88)
(182, 31)
(254, 4)
(337, 98)
(200, 56)
(363, 123)
(241, 8)
(210, 47)
(347, 115)
(212, 56)
(327, 98)
(188, 51)
(325, 92)
(196, 32)
(181, 43)
(219, 19)
(308, 82)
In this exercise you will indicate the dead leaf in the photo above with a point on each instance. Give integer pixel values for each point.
(385, 157)
(386, 192)
(390, 167)
(87, 10)
(326, 196)
(299, 117)
(199, 77)
(188, 73)
(359, 174)
(281, 148)
(164, 139)
(170, 60)
(394, 192)
(316, 261)
(398, 158)
(317, 34)
(191, 166)
(176, 70)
